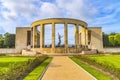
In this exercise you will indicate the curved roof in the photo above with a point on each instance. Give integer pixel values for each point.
(59, 21)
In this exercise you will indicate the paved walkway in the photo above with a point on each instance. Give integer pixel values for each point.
(62, 68)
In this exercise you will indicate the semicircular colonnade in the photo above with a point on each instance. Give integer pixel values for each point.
(78, 42)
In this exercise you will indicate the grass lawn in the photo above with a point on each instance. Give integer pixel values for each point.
(5, 62)
(98, 75)
(37, 72)
(111, 60)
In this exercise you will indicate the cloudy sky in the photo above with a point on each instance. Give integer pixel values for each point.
(98, 13)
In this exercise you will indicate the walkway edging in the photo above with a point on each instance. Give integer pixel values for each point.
(83, 70)
(44, 71)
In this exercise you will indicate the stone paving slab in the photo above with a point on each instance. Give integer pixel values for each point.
(62, 68)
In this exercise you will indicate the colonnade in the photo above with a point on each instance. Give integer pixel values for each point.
(79, 39)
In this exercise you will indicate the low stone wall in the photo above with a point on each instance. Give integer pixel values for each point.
(70, 50)
(57, 50)
(7, 50)
(111, 49)
(93, 51)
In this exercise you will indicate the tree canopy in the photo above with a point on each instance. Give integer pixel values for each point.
(1, 41)
(7, 41)
(111, 40)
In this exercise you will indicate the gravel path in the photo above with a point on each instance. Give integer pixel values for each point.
(63, 68)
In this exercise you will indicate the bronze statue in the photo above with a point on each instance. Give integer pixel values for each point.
(59, 38)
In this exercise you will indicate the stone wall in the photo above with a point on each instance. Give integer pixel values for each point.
(57, 50)
(8, 50)
(111, 50)
(96, 38)
(21, 38)
(13, 50)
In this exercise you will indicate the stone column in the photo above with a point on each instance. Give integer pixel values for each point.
(76, 35)
(42, 36)
(31, 42)
(66, 36)
(83, 36)
(86, 37)
(53, 35)
(33, 36)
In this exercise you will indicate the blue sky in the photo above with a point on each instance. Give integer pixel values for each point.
(97, 13)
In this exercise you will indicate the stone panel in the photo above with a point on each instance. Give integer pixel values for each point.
(21, 38)
(96, 38)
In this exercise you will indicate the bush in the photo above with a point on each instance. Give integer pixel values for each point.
(19, 71)
(3, 54)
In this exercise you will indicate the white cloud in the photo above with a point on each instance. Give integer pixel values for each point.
(9, 15)
(24, 12)
(61, 8)
(49, 10)
(76, 9)
(16, 8)
(17, 13)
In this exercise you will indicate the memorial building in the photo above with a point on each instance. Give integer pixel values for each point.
(86, 38)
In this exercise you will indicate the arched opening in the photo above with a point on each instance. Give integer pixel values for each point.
(80, 35)
(59, 35)
(48, 35)
(71, 35)
(38, 37)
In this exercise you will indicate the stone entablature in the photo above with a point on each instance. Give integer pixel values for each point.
(59, 21)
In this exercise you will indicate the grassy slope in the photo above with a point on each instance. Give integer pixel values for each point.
(37, 72)
(95, 73)
(5, 61)
(111, 60)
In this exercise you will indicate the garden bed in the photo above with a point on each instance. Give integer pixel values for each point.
(16, 68)
(38, 71)
(97, 74)
(107, 63)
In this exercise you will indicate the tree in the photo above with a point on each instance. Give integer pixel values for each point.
(9, 40)
(117, 39)
(113, 33)
(112, 40)
(105, 40)
(1, 41)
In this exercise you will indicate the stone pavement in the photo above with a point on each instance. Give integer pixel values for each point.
(62, 68)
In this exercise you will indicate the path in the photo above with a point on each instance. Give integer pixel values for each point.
(62, 68)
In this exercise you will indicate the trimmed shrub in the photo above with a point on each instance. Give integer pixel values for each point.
(105, 67)
(19, 71)
(2, 54)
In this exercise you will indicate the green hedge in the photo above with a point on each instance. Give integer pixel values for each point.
(19, 71)
(3, 54)
(37, 72)
(105, 67)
